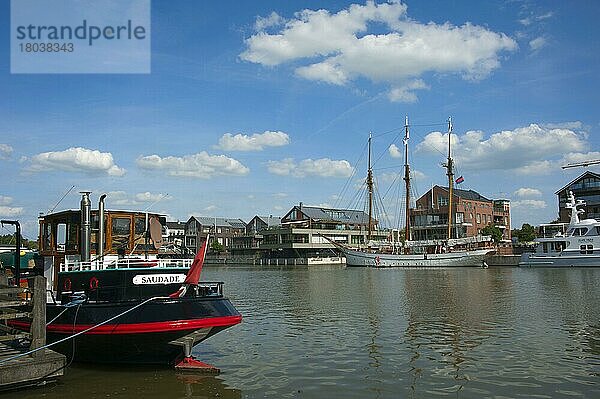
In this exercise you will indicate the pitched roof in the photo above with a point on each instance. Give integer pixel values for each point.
(467, 194)
(175, 225)
(581, 176)
(334, 215)
(270, 220)
(220, 222)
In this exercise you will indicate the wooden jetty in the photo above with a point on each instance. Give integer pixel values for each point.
(17, 368)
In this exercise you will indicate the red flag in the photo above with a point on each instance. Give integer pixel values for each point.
(193, 275)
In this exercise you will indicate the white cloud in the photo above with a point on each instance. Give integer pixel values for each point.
(405, 92)
(119, 198)
(337, 48)
(574, 125)
(4, 200)
(528, 204)
(280, 195)
(395, 151)
(532, 149)
(201, 165)
(323, 167)
(537, 43)
(75, 159)
(210, 208)
(272, 20)
(535, 18)
(9, 211)
(5, 151)
(256, 142)
(149, 197)
(525, 192)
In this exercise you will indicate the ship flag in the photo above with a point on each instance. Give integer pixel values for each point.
(193, 275)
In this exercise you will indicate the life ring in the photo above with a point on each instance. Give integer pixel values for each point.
(377, 261)
(67, 284)
(94, 283)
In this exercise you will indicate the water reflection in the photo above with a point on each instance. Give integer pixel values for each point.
(84, 381)
(449, 315)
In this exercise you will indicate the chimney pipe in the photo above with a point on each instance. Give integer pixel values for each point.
(101, 228)
(86, 226)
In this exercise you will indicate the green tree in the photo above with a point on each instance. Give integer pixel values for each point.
(216, 246)
(527, 233)
(494, 231)
(9, 239)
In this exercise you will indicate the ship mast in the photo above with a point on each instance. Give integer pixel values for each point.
(370, 188)
(450, 172)
(407, 236)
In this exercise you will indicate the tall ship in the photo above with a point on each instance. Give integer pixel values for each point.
(111, 299)
(450, 251)
(578, 246)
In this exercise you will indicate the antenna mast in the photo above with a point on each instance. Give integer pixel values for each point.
(450, 173)
(370, 188)
(407, 235)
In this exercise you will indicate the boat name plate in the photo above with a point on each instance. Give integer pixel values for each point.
(142, 279)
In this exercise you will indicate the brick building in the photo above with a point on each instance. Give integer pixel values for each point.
(472, 212)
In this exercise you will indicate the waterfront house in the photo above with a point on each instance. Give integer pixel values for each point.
(302, 231)
(472, 212)
(221, 230)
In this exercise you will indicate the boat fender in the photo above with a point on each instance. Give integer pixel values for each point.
(67, 284)
(94, 283)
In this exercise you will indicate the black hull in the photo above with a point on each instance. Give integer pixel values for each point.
(146, 348)
(156, 332)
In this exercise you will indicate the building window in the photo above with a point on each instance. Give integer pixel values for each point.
(442, 201)
(478, 218)
(460, 217)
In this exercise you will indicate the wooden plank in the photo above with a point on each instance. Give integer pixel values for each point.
(11, 303)
(15, 315)
(12, 337)
(7, 289)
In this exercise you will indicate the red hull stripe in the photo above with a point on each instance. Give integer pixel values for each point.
(138, 328)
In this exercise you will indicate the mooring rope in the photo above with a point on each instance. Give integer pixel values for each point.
(82, 332)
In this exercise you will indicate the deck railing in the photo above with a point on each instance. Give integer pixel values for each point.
(125, 263)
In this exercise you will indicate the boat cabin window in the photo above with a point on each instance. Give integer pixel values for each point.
(586, 249)
(558, 246)
(579, 231)
(61, 237)
(121, 227)
(545, 247)
(46, 236)
(141, 241)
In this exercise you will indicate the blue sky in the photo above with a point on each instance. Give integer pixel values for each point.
(252, 107)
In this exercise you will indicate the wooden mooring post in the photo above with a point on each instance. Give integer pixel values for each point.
(16, 368)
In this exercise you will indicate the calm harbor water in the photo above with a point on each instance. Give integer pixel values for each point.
(368, 333)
